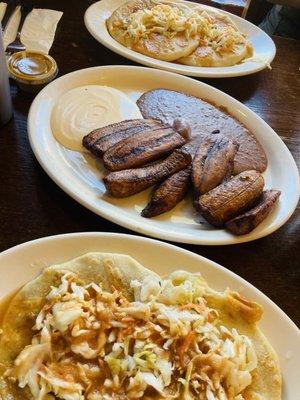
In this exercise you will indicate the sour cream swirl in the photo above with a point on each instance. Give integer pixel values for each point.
(83, 109)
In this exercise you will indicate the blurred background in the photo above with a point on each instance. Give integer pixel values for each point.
(275, 17)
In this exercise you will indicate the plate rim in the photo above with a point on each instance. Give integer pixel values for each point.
(173, 67)
(158, 243)
(271, 310)
(49, 244)
(127, 221)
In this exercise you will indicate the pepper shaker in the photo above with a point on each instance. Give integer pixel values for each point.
(5, 98)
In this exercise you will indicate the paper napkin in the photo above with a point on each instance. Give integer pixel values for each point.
(38, 30)
(2, 10)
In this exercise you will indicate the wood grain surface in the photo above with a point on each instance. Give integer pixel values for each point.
(32, 206)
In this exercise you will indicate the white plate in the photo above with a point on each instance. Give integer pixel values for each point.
(263, 45)
(81, 176)
(22, 263)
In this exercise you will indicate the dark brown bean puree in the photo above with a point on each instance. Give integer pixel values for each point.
(204, 119)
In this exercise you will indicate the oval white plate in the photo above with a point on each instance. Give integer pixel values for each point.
(263, 45)
(22, 263)
(80, 175)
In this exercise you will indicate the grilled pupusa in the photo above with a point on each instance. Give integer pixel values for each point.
(86, 329)
(142, 148)
(229, 48)
(213, 161)
(231, 198)
(168, 194)
(173, 31)
(122, 26)
(100, 140)
(131, 181)
(245, 223)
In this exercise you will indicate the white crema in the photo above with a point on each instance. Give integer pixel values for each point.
(83, 109)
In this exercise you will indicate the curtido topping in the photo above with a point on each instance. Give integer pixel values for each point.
(170, 20)
(93, 344)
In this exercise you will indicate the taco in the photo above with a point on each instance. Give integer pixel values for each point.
(102, 326)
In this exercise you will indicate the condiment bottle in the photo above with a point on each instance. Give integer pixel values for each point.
(5, 99)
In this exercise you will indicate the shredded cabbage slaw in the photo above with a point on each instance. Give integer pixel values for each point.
(170, 20)
(93, 344)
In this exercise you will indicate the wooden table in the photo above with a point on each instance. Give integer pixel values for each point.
(32, 206)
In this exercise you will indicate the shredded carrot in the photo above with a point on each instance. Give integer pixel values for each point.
(211, 317)
(187, 341)
(123, 332)
(191, 306)
(128, 330)
(105, 315)
(101, 363)
(127, 319)
(116, 289)
(120, 336)
(206, 368)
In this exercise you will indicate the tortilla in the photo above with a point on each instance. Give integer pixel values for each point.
(206, 56)
(237, 312)
(109, 269)
(116, 272)
(155, 45)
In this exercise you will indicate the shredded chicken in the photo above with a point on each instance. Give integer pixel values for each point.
(93, 344)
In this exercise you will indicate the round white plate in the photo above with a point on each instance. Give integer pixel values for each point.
(264, 47)
(80, 174)
(22, 263)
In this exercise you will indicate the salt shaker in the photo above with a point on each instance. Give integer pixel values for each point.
(5, 99)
